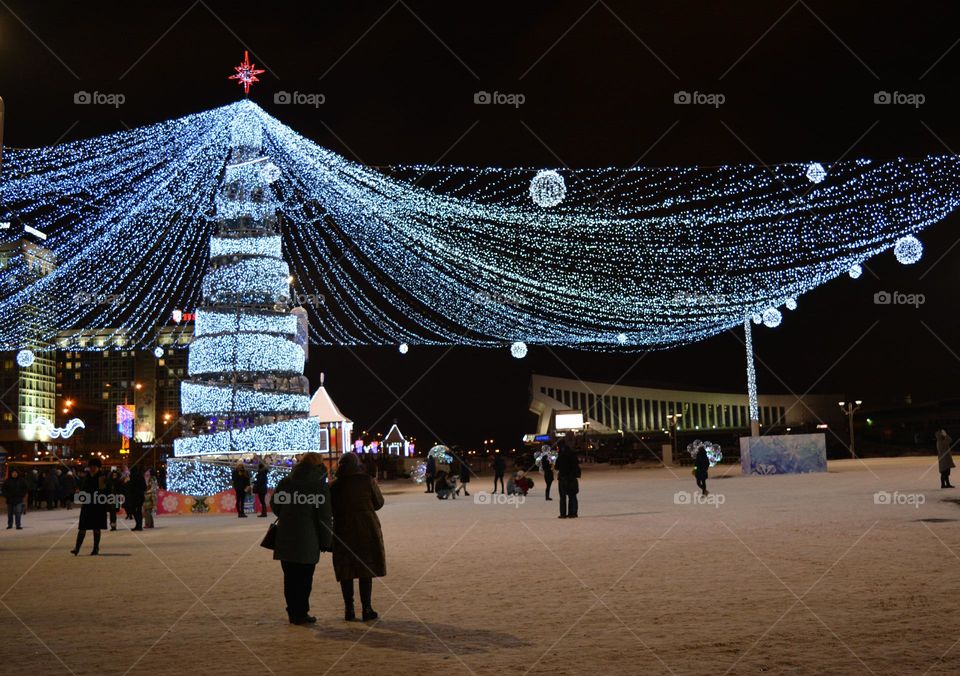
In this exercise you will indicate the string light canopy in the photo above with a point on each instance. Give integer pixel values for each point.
(648, 257)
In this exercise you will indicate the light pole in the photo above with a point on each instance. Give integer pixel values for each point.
(673, 419)
(848, 409)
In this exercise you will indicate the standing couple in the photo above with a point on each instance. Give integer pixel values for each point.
(313, 517)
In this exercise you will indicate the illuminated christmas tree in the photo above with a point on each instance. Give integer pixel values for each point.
(246, 393)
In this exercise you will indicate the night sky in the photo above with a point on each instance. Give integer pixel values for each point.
(599, 82)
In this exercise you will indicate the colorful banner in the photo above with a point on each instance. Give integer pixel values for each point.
(224, 502)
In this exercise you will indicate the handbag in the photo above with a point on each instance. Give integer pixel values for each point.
(270, 539)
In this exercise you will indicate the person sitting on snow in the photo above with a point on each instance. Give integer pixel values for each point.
(443, 486)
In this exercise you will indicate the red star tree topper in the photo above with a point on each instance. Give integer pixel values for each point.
(246, 73)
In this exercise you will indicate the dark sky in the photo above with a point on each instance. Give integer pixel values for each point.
(598, 79)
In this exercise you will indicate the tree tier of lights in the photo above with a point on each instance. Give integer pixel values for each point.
(246, 393)
(616, 259)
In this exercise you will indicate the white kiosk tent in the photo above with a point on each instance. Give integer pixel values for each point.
(338, 426)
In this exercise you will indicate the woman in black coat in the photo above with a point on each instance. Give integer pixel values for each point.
(260, 487)
(93, 510)
(358, 541)
(301, 502)
(547, 472)
(464, 475)
(136, 493)
(241, 484)
(114, 489)
(702, 463)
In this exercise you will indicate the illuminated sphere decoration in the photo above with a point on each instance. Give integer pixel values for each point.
(772, 317)
(548, 188)
(270, 172)
(757, 319)
(908, 250)
(714, 453)
(158, 352)
(816, 173)
(855, 272)
(404, 348)
(622, 338)
(519, 349)
(791, 303)
(25, 358)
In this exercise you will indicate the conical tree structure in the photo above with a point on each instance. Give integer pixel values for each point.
(247, 392)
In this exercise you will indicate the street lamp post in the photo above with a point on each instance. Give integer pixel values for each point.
(673, 418)
(848, 409)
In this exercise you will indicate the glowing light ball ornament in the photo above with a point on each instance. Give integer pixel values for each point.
(622, 338)
(441, 453)
(772, 317)
(158, 352)
(419, 473)
(545, 452)
(855, 272)
(548, 188)
(816, 173)
(519, 349)
(270, 172)
(908, 250)
(757, 319)
(791, 303)
(404, 348)
(714, 454)
(25, 358)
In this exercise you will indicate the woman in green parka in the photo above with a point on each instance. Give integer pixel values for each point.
(301, 502)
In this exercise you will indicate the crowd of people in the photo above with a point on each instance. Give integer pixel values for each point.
(447, 481)
(132, 491)
(337, 516)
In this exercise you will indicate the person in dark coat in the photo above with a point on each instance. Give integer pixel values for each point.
(358, 541)
(499, 469)
(260, 488)
(15, 492)
(431, 474)
(136, 494)
(465, 471)
(51, 488)
(944, 458)
(241, 484)
(33, 494)
(547, 472)
(114, 489)
(568, 469)
(701, 464)
(68, 486)
(93, 509)
(301, 502)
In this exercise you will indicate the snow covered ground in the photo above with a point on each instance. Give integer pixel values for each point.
(806, 574)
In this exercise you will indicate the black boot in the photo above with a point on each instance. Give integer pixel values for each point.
(96, 543)
(80, 535)
(366, 589)
(346, 589)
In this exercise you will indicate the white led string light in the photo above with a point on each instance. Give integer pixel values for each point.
(464, 255)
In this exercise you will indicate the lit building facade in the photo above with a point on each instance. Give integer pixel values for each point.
(96, 371)
(27, 393)
(610, 409)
